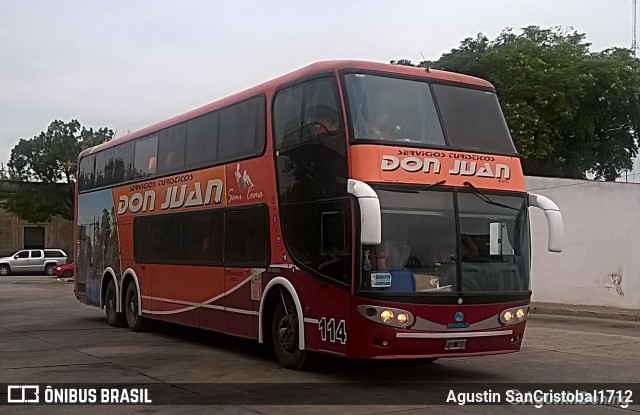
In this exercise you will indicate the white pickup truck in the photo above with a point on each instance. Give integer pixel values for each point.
(33, 260)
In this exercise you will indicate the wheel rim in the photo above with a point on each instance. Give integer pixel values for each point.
(111, 302)
(133, 307)
(288, 332)
(4, 271)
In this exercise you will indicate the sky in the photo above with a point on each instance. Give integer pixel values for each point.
(126, 64)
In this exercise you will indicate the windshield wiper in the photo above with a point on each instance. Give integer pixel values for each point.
(409, 188)
(429, 186)
(486, 198)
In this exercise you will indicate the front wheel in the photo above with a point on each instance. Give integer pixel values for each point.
(285, 336)
(132, 308)
(5, 270)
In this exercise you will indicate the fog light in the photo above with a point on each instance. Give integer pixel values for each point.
(403, 318)
(520, 313)
(386, 316)
(371, 312)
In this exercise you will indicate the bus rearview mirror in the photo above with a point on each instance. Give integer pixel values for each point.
(370, 219)
(554, 220)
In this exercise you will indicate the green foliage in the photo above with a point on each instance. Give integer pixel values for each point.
(38, 202)
(569, 110)
(50, 157)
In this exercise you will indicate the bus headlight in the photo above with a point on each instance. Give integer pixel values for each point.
(390, 316)
(507, 316)
(386, 316)
(513, 315)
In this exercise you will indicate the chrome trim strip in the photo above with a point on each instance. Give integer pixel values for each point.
(456, 335)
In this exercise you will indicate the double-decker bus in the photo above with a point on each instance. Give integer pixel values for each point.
(358, 209)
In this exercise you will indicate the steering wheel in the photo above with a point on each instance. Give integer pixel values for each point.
(318, 126)
(323, 119)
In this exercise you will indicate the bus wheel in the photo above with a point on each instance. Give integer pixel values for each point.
(285, 336)
(114, 318)
(132, 307)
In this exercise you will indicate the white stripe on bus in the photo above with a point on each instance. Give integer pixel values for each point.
(198, 305)
(193, 305)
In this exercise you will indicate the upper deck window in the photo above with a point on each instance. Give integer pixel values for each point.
(221, 136)
(146, 156)
(472, 119)
(403, 111)
(393, 109)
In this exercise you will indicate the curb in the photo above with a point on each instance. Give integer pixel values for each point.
(606, 313)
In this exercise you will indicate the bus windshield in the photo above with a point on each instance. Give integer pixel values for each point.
(404, 111)
(423, 251)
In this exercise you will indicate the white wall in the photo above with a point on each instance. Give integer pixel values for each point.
(601, 239)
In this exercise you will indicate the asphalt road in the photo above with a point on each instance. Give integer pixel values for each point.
(48, 337)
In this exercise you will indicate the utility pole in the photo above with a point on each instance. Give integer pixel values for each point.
(634, 43)
(634, 50)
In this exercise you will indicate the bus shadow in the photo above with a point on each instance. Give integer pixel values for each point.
(398, 371)
(340, 369)
(231, 344)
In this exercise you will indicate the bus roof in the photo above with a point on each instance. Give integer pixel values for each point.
(314, 68)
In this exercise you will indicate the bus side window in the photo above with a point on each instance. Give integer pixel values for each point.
(171, 162)
(145, 156)
(242, 129)
(153, 161)
(171, 147)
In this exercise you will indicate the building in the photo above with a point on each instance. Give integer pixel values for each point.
(16, 233)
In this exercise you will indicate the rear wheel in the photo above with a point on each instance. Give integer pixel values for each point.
(49, 269)
(5, 270)
(114, 318)
(67, 274)
(285, 335)
(132, 308)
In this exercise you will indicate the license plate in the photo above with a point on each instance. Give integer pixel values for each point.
(455, 344)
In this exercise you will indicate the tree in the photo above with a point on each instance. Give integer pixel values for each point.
(50, 159)
(569, 110)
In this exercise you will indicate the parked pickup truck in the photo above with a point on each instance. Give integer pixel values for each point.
(33, 260)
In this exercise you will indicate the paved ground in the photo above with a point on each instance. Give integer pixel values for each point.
(46, 336)
(608, 313)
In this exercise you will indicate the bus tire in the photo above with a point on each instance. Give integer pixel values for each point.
(132, 308)
(114, 318)
(285, 336)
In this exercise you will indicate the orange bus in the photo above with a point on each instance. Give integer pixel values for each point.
(358, 209)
